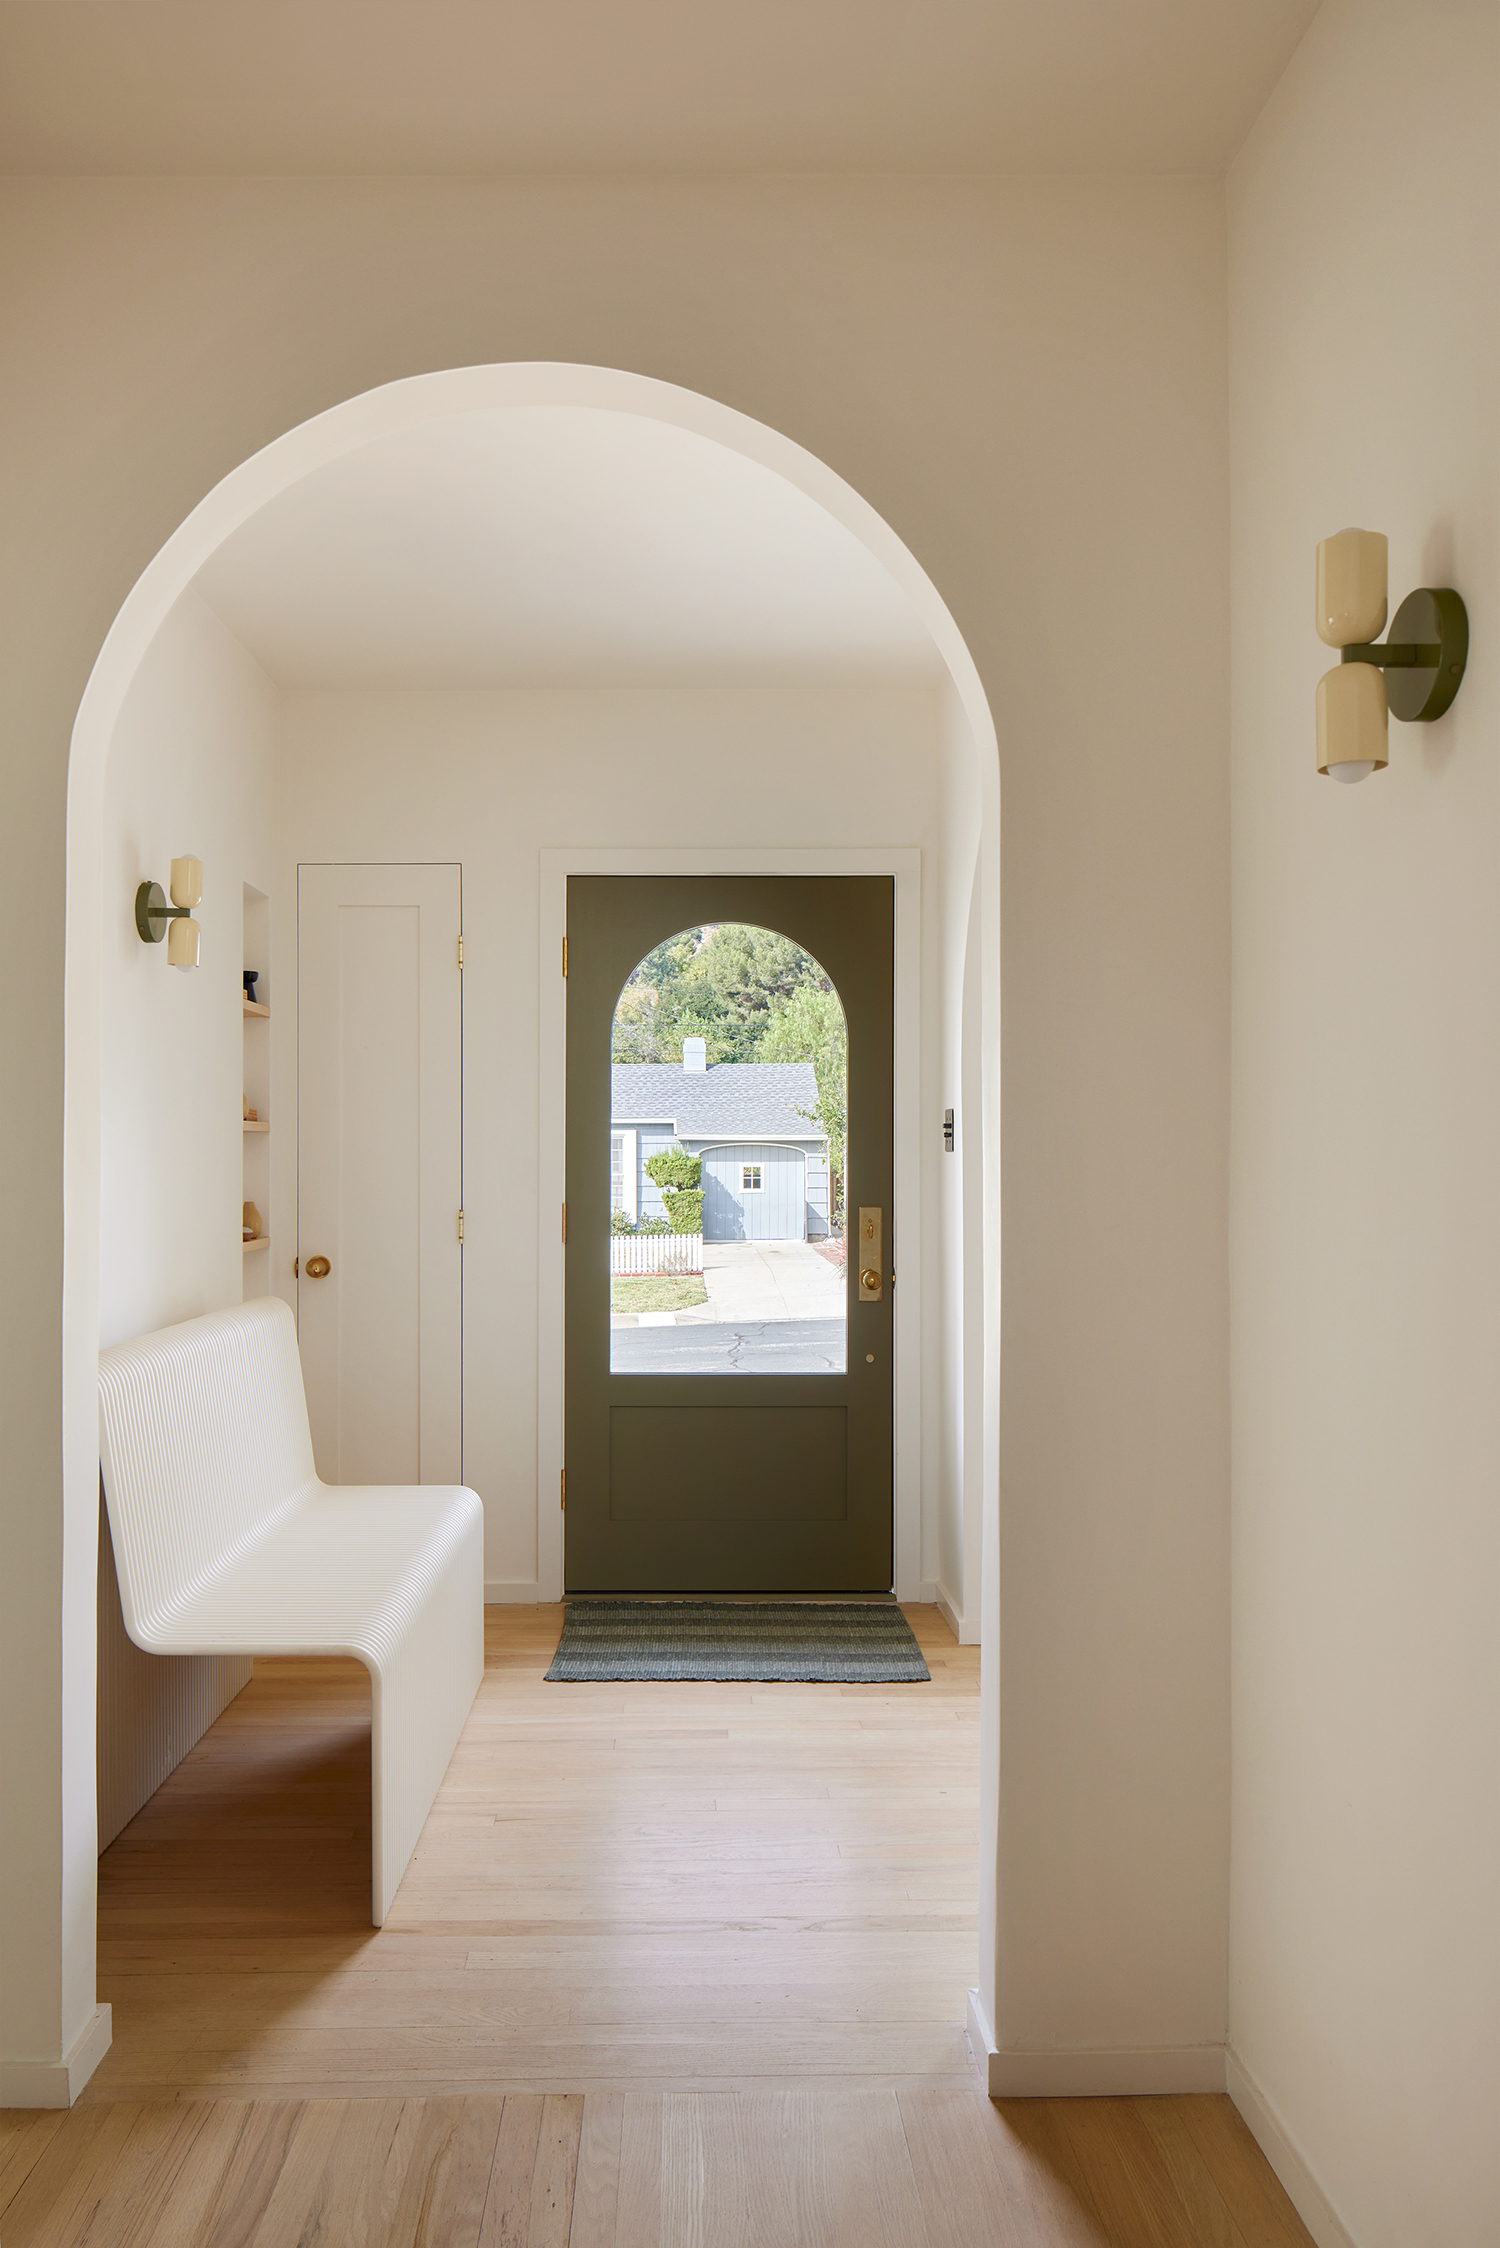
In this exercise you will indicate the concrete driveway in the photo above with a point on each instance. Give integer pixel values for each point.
(749, 1282)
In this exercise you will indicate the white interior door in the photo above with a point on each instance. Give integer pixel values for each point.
(380, 1170)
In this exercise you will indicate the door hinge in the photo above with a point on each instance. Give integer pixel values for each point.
(460, 1225)
(565, 1490)
(565, 959)
(460, 952)
(565, 1224)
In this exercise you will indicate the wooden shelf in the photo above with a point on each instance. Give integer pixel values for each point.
(251, 1125)
(261, 1241)
(254, 1007)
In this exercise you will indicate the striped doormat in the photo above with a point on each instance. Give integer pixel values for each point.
(828, 1642)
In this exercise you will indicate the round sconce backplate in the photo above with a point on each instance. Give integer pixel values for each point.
(151, 914)
(1430, 617)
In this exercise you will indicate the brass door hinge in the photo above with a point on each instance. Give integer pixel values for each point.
(565, 1224)
(565, 1490)
(460, 1225)
(565, 958)
(460, 952)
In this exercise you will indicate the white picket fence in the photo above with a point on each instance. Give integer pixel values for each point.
(632, 1254)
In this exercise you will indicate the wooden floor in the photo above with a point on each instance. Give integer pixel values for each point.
(672, 1964)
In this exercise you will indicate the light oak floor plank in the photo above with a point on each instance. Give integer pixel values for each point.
(638, 2219)
(507, 2208)
(1260, 2204)
(678, 1886)
(556, 2170)
(447, 2178)
(672, 1965)
(24, 2133)
(596, 2190)
(802, 2167)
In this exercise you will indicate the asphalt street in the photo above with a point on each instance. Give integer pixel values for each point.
(771, 1346)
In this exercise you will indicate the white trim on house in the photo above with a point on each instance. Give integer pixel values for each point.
(904, 864)
(629, 1202)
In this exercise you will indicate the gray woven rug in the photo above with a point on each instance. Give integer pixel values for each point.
(830, 1642)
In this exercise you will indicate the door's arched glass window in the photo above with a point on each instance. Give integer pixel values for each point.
(729, 1058)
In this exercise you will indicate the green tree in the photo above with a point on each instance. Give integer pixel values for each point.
(809, 1026)
(718, 984)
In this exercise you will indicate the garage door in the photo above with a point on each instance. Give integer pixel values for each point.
(754, 1192)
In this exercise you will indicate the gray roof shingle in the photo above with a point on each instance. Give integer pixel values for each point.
(730, 1100)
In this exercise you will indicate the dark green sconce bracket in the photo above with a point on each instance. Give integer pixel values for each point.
(152, 913)
(1424, 656)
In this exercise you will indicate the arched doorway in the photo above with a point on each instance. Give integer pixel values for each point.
(428, 403)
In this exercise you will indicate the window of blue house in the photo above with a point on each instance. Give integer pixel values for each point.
(749, 1178)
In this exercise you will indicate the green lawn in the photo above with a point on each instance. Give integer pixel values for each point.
(662, 1291)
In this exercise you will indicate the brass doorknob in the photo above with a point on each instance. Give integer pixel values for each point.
(317, 1268)
(869, 1278)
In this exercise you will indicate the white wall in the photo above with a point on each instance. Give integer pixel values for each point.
(1026, 379)
(952, 1416)
(195, 769)
(1366, 1227)
(491, 779)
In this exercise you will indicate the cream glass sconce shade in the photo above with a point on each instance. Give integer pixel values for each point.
(1351, 587)
(155, 919)
(1413, 675)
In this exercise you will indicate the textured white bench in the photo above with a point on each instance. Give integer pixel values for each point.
(226, 1543)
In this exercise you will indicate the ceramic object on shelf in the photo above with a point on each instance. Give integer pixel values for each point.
(251, 1222)
(251, 978)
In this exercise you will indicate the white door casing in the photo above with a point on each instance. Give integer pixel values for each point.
(380, 1170)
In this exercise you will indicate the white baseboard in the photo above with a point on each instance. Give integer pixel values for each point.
(981, 2036)
(57, 2084)
(1088, 2074)
(965, 1635)
(1270, 2134)
(510, 1592)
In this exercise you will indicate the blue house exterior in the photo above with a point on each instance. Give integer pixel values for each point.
(765, 1160)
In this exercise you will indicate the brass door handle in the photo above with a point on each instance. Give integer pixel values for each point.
(871, 1247)
(317, 1268)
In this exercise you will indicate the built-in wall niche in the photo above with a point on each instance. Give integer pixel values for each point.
(257, 1119)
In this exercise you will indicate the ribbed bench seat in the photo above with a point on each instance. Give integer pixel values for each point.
(226, 1543)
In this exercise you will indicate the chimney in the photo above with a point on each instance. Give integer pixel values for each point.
(695, 1054)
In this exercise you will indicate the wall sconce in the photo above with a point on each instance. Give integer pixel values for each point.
(155, 919)
(1416, 672)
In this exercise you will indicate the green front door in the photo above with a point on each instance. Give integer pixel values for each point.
(734, 1476)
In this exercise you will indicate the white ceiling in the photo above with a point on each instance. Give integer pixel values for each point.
(291, 86)
(559, 546)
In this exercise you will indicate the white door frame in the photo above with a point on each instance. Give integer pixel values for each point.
(905, 865)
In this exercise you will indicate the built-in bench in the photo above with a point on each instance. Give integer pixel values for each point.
(226, 1543)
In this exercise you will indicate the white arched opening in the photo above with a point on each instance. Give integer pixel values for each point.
(342, 433)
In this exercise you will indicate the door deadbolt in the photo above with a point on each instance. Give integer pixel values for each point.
(871, 1254)
(317, 1268)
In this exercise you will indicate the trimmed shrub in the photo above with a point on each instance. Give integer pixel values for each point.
(685, 1210)
(673, 1170)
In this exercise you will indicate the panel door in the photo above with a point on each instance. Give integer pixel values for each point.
(380, 1170)
(755, 1479)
